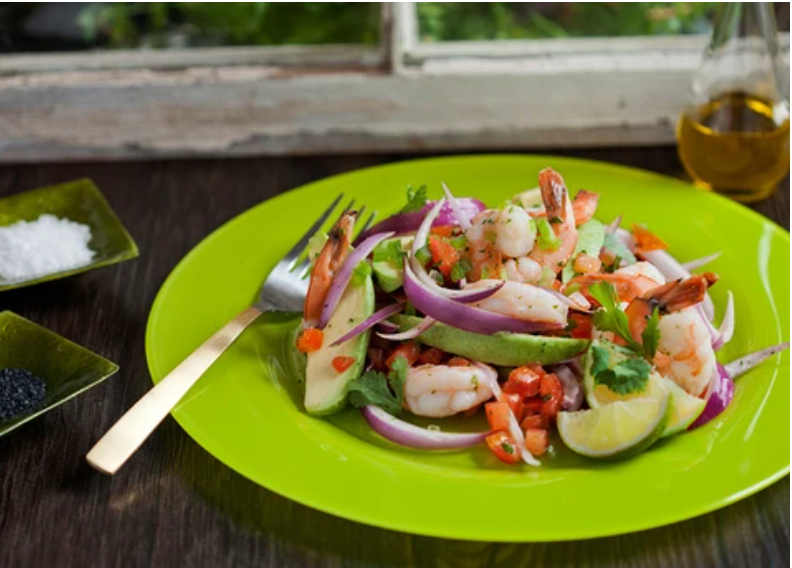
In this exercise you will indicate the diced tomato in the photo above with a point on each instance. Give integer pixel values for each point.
(310, 340)
(552, 392)
(515, 402)
(535, 421)
(646, 241)
(431, 356)
(583, 327)
(458, 362)
(536, 441)
(497, 415)
(341, 364)
(556, 285)
(585, 263)
(524, 380)
(377, 358)
(410, 351)
(443, 230)
(504, 447)
(444, 255)
(532, 406)
(607, 257)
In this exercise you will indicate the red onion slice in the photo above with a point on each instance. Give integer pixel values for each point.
(514, 427)
(614, 226)
(573, 392)
(387, 326)
(726, 330)
(462, 220)
(745, 364)
(411, 333)
(403, 223)
(412, 436)
(345, 275)
(369, 322)
(419, 241)
(463, 316)
(721, 393)
(576, 301)
(699, 262)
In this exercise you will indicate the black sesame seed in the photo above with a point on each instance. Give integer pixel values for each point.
(20, 391)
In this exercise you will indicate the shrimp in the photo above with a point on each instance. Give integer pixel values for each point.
(685, 354)
(326, 265)
(523, 270)
(630, 282)
(584, 205)
(522, 301)
(559, 211)
(438, 391)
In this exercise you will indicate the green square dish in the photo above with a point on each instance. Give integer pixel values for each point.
(82, 202)
(67, 368)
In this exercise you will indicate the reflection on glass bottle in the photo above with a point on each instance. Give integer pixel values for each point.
(734, 135)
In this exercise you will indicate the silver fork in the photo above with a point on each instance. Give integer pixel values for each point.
(283, 291)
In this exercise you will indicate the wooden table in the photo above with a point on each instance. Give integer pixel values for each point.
(174, 504)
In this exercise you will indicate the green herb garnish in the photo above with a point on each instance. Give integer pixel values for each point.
(628, 376)
(547, 238)
(361, 272)
(611, 318)
(416, 199)
(374, 387)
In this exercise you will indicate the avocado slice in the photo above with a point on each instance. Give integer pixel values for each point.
(326, 388)
(390, 274)
(505, 349)
(591, 235)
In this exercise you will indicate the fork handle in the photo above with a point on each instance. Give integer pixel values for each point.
(129, 433)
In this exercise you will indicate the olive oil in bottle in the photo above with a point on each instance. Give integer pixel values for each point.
(737, 144)
(733, 137)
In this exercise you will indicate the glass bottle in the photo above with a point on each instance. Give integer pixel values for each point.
(734, 134)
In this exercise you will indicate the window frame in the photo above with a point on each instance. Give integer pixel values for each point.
(402, 95)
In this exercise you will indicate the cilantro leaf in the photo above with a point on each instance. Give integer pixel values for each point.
(416, 199)
(611, 317)
(617, 247)
(628, 376)
(651, 335)
(373, 388)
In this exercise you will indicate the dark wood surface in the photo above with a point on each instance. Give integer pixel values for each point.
(174, 504)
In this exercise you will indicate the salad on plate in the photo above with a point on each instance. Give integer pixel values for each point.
(533, 313)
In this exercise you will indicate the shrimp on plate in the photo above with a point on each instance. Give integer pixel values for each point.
(439, 391)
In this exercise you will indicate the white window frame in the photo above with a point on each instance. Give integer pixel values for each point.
(401, 96)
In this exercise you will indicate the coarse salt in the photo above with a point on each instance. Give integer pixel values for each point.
(31, 249)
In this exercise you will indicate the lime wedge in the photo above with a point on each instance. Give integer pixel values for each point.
(616, 430)
(598, 395)
(686, 408)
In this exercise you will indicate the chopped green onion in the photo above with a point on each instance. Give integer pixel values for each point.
(467, 266)
(547, 238)
(457, 272)
(423, 255)
(361, 272)
(572, 288)
(389, 251)
(547, 278)
(460, 242)
(437, 277)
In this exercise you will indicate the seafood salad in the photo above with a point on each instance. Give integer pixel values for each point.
(534, 314)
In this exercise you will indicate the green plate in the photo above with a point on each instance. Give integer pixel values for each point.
(65, 367)
(79, 201)
(246, 411)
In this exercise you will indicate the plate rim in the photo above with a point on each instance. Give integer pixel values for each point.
(383, 521)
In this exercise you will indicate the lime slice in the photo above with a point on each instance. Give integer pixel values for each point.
(616, 430)
(686, 408)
